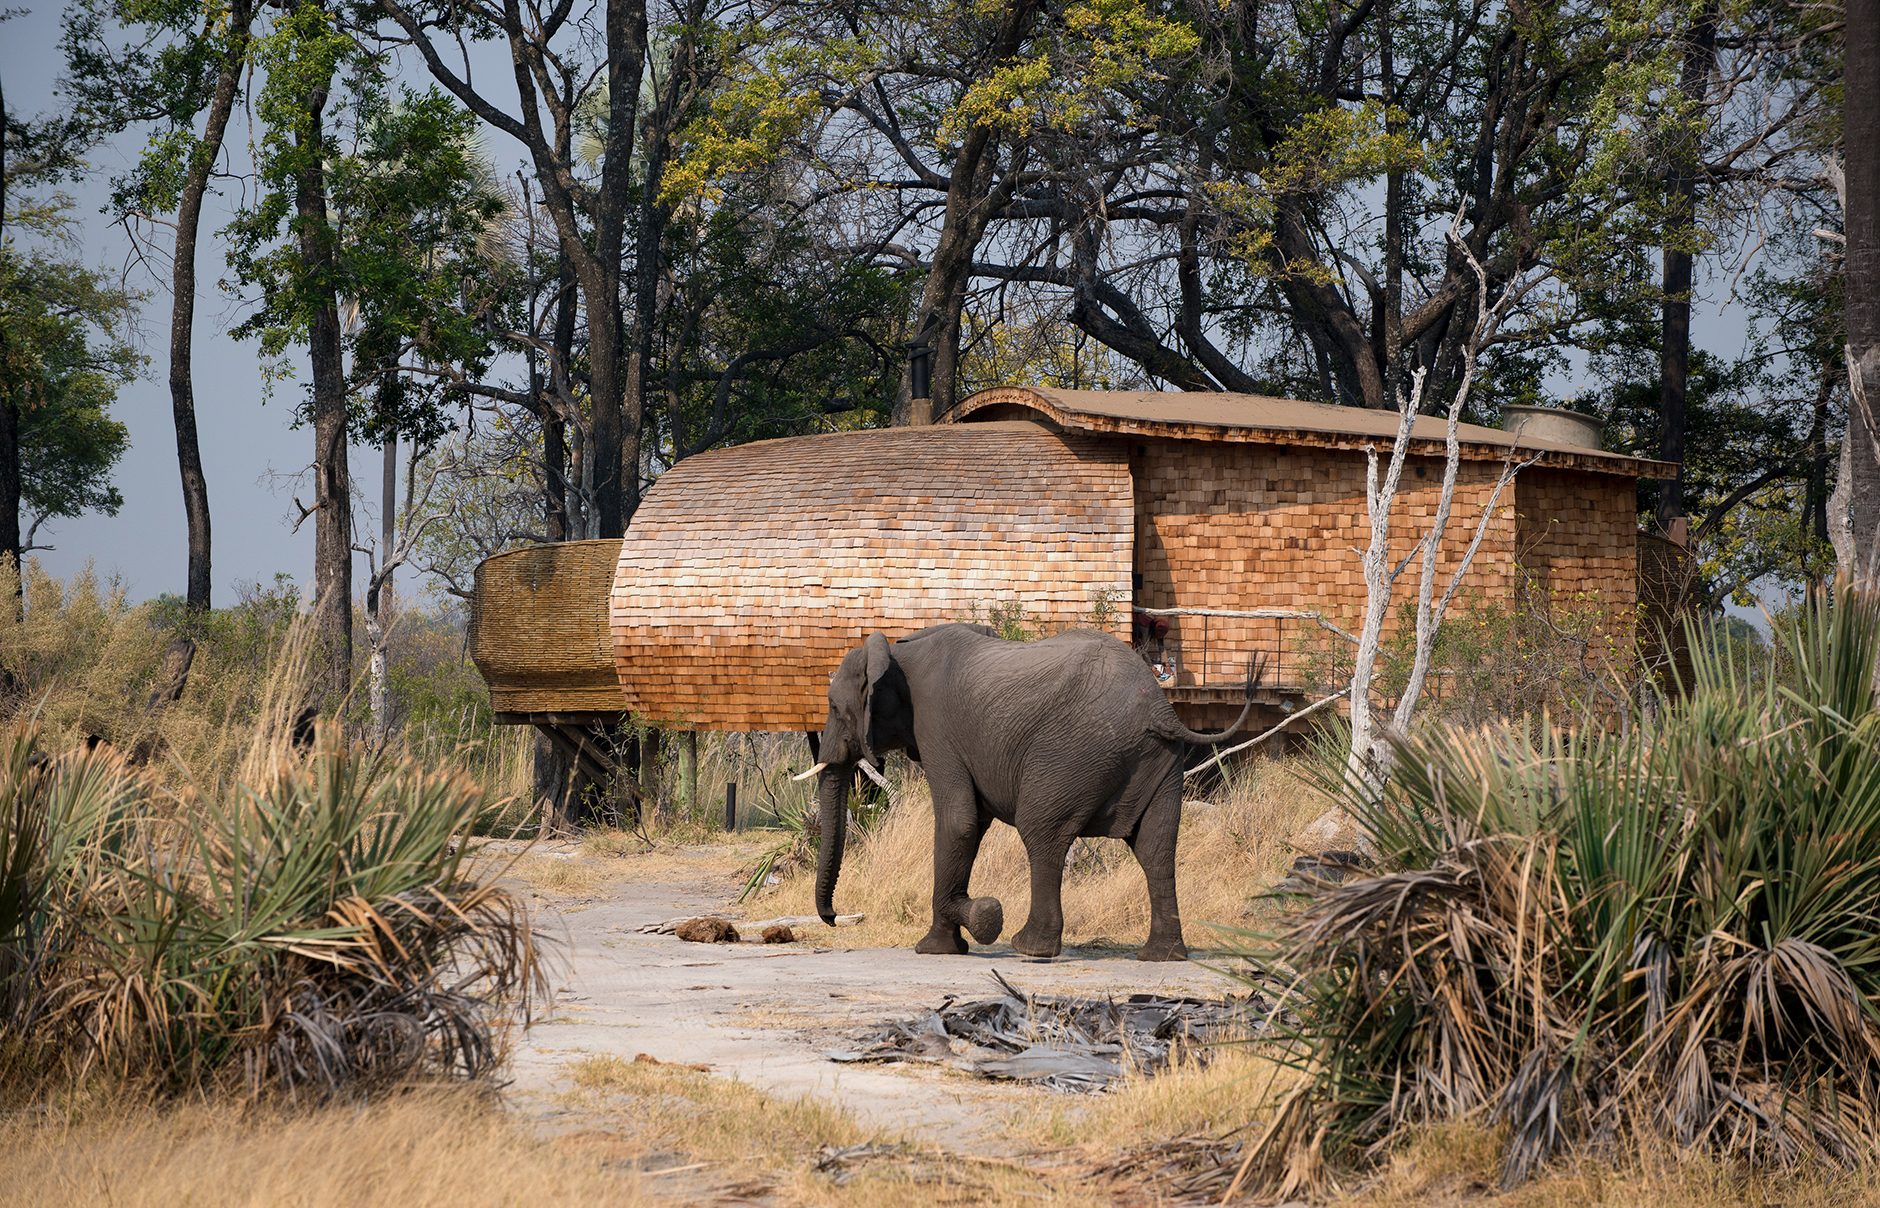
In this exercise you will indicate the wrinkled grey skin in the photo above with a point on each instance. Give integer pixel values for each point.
(1061, 738)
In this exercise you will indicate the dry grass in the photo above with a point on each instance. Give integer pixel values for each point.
(456, 1150)
(755, 1146)
(84, 661)
(678, 1108)
(1239, 1085)
(1461, 1164)
(561, 877)
(1231, 848)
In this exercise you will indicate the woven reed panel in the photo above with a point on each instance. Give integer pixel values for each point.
(1246, 526)
(749, 572)
(1577, 537)
(538, 629)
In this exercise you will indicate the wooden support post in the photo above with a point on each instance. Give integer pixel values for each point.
(688, 760)
(649, 767)
(731, 806)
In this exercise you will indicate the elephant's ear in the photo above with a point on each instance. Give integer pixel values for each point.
(878, 660)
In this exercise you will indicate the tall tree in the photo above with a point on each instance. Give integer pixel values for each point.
(62, 351)
(63, 357)
(553, 80)
(1856, 530)
(186, 64)
(1686, 153)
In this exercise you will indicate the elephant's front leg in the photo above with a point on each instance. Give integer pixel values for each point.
(1043, 932)
(958, 827)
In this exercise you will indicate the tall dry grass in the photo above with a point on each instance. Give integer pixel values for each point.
(1233, 846)
(435, 1149)
(82, 661)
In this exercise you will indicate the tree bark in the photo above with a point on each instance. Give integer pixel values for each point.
(1700, 52)
(183, 301)
(1857, 493)
(10, 480)
(9, 417)
(332, 532)
(614, 429)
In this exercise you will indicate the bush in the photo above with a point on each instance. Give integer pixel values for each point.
(1588, 937)
(316, 928)
(1537, 651)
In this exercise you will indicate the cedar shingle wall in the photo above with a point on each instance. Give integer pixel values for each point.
(1578, 538)
(538, 629)
(748, 572)
(1242, 526)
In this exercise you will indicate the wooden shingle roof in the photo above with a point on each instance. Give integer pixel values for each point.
(749, 571)
(1277, 421)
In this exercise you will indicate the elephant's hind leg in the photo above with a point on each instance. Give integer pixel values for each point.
(955, 847)
(1154, 846)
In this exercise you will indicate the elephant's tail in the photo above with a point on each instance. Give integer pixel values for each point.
(1172, 727)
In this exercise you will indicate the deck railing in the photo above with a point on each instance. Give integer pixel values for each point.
(1209, 648)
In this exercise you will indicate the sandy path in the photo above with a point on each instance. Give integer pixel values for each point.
(761, 1013)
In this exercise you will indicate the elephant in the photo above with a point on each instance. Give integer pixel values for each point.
(1064, 737)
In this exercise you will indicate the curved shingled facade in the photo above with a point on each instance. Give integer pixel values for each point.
(749, 571)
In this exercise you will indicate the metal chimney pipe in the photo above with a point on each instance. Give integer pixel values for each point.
(920, 382)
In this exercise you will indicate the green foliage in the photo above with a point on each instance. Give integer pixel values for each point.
(64, 354)
(1086, 64)
(1587, 936)
(400, 236)
(1007, 620)
(161, 73)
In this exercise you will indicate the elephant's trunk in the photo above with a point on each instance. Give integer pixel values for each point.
(832, 793)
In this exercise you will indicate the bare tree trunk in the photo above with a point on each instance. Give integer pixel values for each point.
(1700, 52)
(10, 480)
(9, 418)
(614, 429)
(332, 533)
(1855, 507)
(183, 302)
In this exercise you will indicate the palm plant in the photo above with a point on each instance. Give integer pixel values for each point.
(319, 929)
(1588, 937)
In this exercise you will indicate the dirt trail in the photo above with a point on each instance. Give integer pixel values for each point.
(760, 1013)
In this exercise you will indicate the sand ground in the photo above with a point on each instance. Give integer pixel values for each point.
(763, 1013)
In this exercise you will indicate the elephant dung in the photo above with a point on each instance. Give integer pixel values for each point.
(779, 934)
(707, 930)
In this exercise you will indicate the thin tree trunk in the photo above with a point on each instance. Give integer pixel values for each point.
(9, 415)
(626, 62)
(183, 302)
(10, 478)
(1856, 527)
(1700, 52)
(332, 533)
(388, 495)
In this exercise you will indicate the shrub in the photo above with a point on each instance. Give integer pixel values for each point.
(1589, 937)
(315, 928)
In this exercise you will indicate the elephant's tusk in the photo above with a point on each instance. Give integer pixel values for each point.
(806, 775)
(873, 775)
